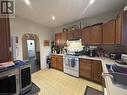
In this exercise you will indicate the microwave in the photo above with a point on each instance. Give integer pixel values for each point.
(9, 82)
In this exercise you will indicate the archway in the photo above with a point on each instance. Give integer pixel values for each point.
(31, 50)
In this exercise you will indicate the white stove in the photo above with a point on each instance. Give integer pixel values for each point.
(71, 61)
(71, 65)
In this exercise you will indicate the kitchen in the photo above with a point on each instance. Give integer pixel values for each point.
(76, 47)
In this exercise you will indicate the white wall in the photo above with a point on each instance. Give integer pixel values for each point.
(20, 26)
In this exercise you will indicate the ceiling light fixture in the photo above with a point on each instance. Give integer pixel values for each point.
(53, 18)
(92, 1)
(27, 2)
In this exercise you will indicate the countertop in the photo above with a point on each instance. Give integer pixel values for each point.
(58, 54)
(111, 88)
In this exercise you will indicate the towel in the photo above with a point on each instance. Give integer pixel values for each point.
(6, 64)
(73, 62)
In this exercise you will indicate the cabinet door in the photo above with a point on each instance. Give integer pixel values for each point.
(53, 62)
(64, 38)
(96, 35)
(58, 39)
(77, 34)
(60, 63)
(85, 68)
(97, 71)
(86, 36)
(124, 28)
(5, 53)
(118, 29)
(109, 32)
(70, 35)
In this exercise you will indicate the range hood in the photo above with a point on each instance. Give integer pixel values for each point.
(74, 45)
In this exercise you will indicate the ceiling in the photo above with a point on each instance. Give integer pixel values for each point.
(65, 11)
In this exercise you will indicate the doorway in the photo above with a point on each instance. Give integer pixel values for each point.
(31, 51)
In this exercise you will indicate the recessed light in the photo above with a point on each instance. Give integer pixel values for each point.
(92, 1)
(53, 18)
(27, 2)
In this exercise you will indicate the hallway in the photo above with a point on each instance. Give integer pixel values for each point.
(35, 65)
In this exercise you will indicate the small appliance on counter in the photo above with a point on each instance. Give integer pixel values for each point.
(92, 53)
(123, 60)
(115, 56)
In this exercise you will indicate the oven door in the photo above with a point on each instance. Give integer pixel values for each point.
(72, 63)
(9, 82)
(25, 76)
(71, 66)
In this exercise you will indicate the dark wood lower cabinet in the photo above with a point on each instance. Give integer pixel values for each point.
(53, 62)
(60, 63)
(97, 71)
(85, 69)
(57, 62)
(91, 69)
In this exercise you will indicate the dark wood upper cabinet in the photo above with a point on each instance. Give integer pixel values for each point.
(109, 32)
(121, 28)
(5, 52)
(112, 32)
(74, 34)
(77, 34)
(64, 38)
(58, 37)
(86, 36)
(69, 35)
(124, 28)
(96, 35)
(92, 35)
(61, 38)
(118, 29)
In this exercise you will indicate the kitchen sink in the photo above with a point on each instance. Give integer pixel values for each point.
(119, 75)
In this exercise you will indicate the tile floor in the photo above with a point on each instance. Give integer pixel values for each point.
(53, 82)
